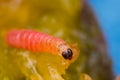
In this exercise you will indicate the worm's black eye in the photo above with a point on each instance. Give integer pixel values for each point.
(68, 54)
(65, 55)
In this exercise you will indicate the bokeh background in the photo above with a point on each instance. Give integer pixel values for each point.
(108, 15)
(46, 16)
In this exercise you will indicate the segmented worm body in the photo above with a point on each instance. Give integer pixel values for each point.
(38, 42)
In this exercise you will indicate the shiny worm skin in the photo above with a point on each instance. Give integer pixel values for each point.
(38, 42)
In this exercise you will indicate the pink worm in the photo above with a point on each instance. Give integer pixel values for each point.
(38, 42)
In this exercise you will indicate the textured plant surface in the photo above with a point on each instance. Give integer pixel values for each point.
(65, 19)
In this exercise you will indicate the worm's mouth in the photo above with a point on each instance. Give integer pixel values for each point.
(68, 54)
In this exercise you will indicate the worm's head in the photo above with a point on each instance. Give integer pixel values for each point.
(67, 54)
